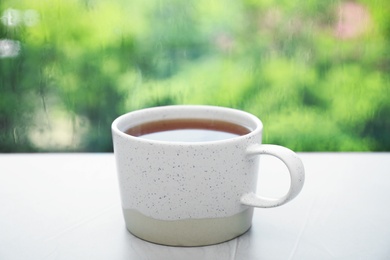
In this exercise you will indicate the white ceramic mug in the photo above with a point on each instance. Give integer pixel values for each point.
(194, 194)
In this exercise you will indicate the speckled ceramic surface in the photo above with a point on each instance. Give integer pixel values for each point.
(176, 181)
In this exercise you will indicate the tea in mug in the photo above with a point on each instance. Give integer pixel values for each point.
(188, 130)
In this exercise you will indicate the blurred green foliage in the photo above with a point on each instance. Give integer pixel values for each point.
(316, 72)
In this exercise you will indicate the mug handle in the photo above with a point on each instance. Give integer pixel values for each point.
(295, 167)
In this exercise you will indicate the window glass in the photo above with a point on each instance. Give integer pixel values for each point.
(315, 72)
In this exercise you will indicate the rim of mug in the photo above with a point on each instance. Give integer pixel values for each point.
(120, 130)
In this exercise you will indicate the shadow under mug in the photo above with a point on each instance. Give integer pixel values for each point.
(194, 193)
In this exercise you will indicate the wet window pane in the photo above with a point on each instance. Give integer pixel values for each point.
(316, 72)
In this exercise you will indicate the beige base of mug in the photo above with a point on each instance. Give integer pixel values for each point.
(188, 232)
